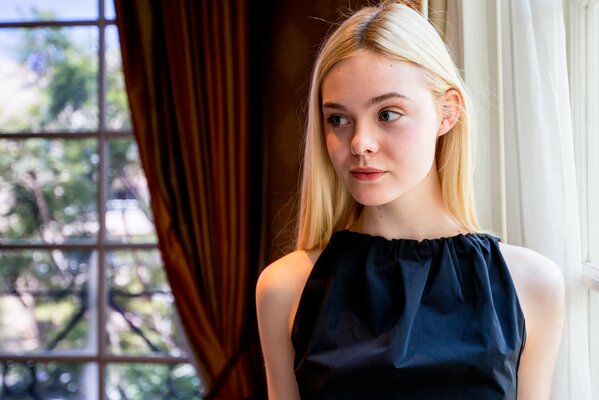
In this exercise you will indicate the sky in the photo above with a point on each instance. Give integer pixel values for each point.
(13, 10)
(19, 10)
(16, 90)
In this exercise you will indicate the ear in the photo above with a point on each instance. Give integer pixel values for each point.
(451, 107)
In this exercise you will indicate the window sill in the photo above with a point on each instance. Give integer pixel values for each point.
(590, 276)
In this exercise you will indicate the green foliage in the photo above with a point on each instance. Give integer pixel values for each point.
(52, 288)
(152, 381)
(52, 193)
(30, 380)
(117, 105)
(49, 193)
(71, 86)
(65, 72)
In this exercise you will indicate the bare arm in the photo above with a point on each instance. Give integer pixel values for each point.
(540, 288)
(277, 296)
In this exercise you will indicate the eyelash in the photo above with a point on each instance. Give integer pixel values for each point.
(331, 119)
(399, 115)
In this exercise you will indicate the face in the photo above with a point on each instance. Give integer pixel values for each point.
(381, 123)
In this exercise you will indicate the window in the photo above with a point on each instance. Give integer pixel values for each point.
(583, 30)
(584, 77)
(85, 308)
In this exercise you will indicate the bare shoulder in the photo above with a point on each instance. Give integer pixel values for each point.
(284, 276)
(535, 276)
(281, 283)
(278, 292)
(540, 287)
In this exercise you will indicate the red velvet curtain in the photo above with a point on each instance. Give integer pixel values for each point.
(186, 72)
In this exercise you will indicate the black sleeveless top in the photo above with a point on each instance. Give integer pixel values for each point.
(407, 319)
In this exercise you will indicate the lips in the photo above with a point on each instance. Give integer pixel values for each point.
(366, 173)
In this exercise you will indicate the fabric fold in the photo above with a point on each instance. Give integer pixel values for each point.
(401, 318)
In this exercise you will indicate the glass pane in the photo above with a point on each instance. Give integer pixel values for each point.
(117, 105)
(594, 339)
(109, 9)
(45, 300)
(49, 79)
(128, 213)
(48, 190)
(47, 381)
(152, 381)
(141, 319)
(48, 10)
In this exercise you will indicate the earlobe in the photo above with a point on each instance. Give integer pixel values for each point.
(451, 107)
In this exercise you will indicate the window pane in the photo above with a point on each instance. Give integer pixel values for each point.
(594, 339)
(44, 300)
(592, 132)
(48, 190)
(152, 381)
(128, 213)
(49, 79)
(593, 220)
(47, 381)
(117, 106)
(109, 9)
(47, 10)
(141, 307)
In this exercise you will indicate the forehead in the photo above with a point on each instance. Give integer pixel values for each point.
(369, 74)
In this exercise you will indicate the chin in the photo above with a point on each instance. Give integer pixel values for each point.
(372, 200)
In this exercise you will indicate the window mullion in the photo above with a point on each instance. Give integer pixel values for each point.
(113, 149)
(101, 300)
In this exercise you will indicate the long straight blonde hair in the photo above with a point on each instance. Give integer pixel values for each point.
(396, 31)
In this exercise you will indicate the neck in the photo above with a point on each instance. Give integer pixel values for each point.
(418, 214)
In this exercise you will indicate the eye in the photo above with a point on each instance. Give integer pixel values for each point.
(389, 116)
(337, 120)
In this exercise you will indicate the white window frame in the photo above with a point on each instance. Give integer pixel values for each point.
(583, 30)
(582, 25)
(99, 360)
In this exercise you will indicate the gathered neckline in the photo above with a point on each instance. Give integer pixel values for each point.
(398, 312)
(479, 235)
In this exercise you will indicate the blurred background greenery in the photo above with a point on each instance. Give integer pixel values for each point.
(74, 209)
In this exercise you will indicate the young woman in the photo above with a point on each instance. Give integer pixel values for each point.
(393, 291)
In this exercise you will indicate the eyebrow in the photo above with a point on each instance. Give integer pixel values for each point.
(372, 102)
(383, 97)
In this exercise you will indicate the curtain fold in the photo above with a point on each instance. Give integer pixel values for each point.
(542, 211)
(186, 73)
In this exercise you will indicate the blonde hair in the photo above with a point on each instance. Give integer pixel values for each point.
(396, 31)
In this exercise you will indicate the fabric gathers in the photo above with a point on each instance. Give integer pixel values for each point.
(407, 319)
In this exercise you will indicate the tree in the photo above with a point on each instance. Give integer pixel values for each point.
(49, 193)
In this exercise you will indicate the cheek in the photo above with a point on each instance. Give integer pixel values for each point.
(334, 147)
(413, 147)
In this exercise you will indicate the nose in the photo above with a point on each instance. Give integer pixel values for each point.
(364, 141)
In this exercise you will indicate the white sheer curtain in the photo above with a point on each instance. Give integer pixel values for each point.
(542, 206)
